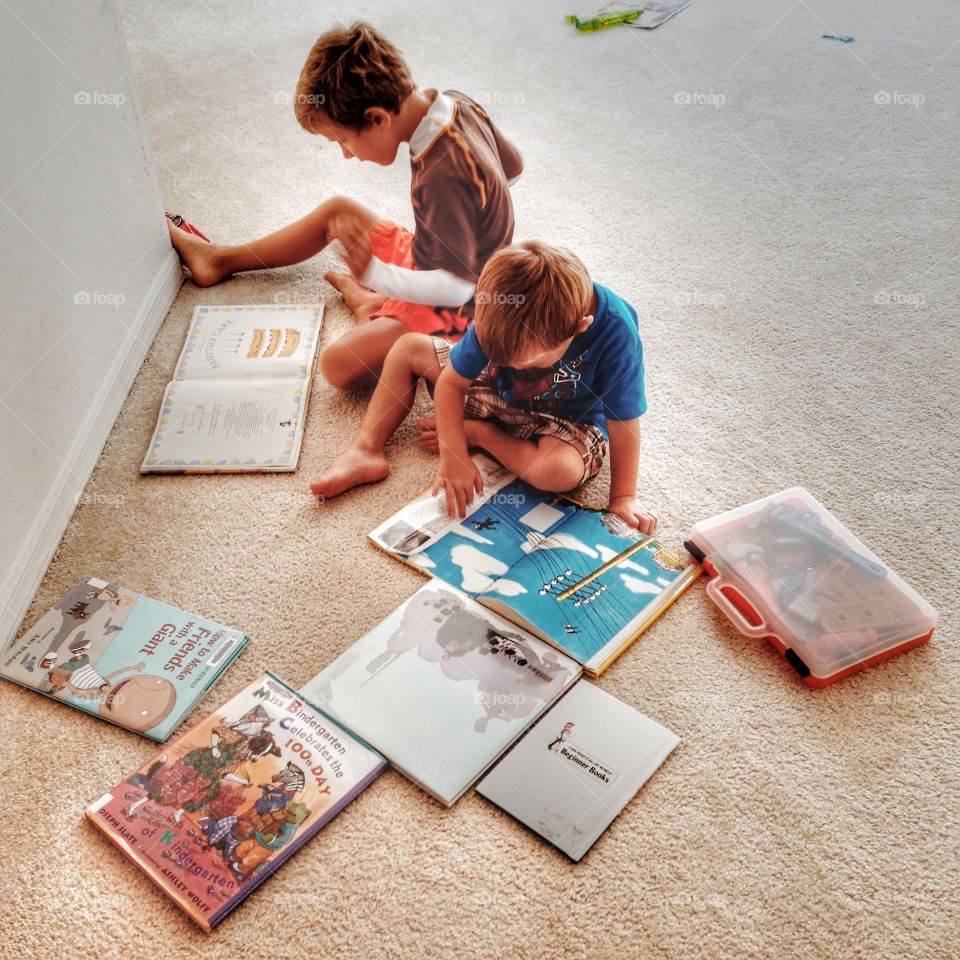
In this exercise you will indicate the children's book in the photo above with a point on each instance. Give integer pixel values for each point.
(573, 773)
(235, 797)
(441, 688)
(122, 656)
(238, 399)
(552, 566)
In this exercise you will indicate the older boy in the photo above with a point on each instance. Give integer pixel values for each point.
(356, 90)
(551, 368)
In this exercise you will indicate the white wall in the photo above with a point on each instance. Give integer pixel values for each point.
(86, 266)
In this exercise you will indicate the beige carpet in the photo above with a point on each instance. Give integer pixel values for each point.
(792, 251)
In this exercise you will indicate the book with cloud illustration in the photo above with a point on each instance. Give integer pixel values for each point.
(573, 773)
(519, 550)
(238, 399)
(441, 688)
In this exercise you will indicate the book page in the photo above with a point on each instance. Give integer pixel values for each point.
(441, 688)
(270, 341)
(424, 521)
(602, 610)
(227, 425)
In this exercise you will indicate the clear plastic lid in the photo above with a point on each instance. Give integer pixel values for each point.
(809, 582)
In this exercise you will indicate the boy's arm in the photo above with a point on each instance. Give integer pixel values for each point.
(457, 476)
(433, 287)
(624, 473)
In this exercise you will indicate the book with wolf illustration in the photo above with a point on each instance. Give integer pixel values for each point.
(442, 687)
(238, 399)
(521, 551)
(122, 656)
(573, 773)
(235, 797)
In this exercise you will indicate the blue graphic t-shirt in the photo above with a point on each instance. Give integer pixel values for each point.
(599, 377)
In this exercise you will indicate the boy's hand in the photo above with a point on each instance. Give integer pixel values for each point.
(635, 513)
(356, 243)
(458, 479)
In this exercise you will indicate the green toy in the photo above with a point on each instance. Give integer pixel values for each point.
(603, 20)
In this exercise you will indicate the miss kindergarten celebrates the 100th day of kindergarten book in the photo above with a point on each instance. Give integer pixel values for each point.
(233, 798)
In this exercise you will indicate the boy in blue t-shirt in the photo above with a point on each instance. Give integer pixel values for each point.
(549, 375)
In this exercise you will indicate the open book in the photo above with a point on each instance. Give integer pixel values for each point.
(525, 554)
(238, 399)
(441, 688)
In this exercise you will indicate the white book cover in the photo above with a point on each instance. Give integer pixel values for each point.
(238, 399)
(573, 773)
(441, 688)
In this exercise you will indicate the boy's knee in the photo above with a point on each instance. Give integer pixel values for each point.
(414, 350)
(558, 467)
(341, 370)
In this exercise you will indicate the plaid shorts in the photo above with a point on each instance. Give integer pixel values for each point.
(484, 403)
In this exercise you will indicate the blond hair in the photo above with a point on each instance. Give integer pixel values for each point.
(530, 296)
(349, 70)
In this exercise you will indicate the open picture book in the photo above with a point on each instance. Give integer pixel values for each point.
(238, 399)
(525, 554)
(441, 687)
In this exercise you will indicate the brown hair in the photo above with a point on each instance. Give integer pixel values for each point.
(349, 70)
(530, 296)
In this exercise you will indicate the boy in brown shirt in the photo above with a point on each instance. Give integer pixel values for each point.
(355, 89)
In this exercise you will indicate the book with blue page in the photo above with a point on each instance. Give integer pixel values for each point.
(577, 577)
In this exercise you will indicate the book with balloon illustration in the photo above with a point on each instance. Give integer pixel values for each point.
(575, 576)
(237, 402)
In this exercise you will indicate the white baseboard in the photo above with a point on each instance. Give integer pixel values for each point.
(41, 543)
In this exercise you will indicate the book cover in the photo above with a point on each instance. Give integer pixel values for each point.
(441, 688)
(238, 399)
(519, 549)
(121, 656)
(233, 798)
(573, 773)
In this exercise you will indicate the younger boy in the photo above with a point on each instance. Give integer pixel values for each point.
(550, 372)
(356, 90)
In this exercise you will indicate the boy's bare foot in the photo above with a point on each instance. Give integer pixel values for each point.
(361, 300)
(473, 431)
(202, 259)
(355, 466)
(428, 434)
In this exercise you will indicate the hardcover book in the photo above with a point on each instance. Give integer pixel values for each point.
(552, 566)
(235, 797)
(238, 399)
(122, 656)
(442, 687)
(573, 773)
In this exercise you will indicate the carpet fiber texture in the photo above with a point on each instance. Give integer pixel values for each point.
(782, 211)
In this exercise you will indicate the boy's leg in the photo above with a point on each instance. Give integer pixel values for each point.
(355, 360)
(552, 464)
(413, 356)
(209, 263)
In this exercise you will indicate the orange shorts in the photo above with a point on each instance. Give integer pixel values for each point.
(392, 243)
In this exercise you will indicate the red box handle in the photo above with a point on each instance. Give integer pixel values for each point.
(739, 611)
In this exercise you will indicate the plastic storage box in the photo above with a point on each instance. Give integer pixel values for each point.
(786, 569)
